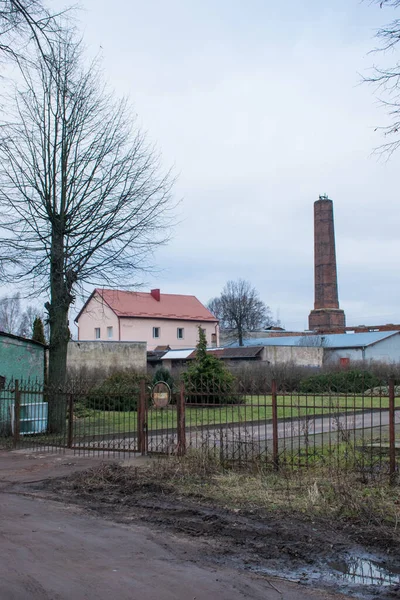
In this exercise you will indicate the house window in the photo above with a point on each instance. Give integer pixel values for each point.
(109, 332)
(179, 333)
(97, 333)
(156, 332)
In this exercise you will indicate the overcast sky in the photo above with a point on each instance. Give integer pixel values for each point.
(258, 106)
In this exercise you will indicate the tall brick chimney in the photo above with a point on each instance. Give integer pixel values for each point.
(326, 316)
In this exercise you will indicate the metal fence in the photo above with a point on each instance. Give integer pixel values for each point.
(277, 428)
(272, 426)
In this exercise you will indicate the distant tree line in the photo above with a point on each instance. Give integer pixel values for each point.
(27, 322)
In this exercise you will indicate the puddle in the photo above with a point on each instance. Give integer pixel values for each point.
(364, 571)
(350, 575)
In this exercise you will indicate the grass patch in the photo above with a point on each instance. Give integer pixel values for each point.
(255, 408)
(317, 492)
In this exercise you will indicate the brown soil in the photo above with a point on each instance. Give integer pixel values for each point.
(292, 545)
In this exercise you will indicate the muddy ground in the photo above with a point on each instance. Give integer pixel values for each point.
(312, 551)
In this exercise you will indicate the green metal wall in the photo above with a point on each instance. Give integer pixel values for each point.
(21, 359)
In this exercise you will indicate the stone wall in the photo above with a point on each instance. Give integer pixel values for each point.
(107, 356)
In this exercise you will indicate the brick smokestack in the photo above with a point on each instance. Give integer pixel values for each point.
(326, 316)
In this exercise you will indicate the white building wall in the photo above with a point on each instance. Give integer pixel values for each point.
(387, 350)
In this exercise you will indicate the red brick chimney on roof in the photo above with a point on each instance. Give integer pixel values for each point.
(156, 294)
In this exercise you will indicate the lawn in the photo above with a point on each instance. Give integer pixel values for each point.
(255, 408)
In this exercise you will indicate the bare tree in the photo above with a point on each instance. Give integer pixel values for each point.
(240, 309)
(82, 198)
(10, 313)
(15, 320)
(28, 317)
(387, 79)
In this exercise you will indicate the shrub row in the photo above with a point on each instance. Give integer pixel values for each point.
(350, 382)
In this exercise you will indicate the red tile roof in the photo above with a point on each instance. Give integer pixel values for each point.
(142, 304)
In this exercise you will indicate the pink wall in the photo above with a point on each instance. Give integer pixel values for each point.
(142, 329)
(97, 314)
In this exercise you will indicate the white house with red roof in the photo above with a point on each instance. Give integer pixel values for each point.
(158, 319)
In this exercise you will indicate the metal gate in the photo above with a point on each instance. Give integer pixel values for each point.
(162, 428)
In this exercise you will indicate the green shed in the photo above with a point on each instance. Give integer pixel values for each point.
(22, 359)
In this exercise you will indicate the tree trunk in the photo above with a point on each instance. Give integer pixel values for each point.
(57, 370)
(240, 335)
(59, 336)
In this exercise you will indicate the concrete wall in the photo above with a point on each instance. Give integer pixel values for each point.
(227, 337)
(107, 355)
(298, 355)
(21, 359)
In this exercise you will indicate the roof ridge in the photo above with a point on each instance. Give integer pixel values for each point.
(142, 292)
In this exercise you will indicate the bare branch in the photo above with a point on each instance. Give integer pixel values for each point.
(387, 80)
(27, 23)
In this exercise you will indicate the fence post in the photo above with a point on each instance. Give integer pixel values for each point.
(70, 439)
(392, 431)
(180, 413)
(275, 452)
(17, 414)
(141, 422)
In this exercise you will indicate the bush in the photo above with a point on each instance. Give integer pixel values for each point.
(119, 392)
(207, 380)
(346, 382)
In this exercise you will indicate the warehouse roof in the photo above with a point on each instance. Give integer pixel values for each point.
(332, 340)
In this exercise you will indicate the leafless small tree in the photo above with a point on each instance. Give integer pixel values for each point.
(15, 320)
(10, 313)
(82, 199)
(387, 79)
(240, 309)
(27, 320)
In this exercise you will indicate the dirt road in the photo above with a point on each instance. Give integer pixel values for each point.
(53, 551)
